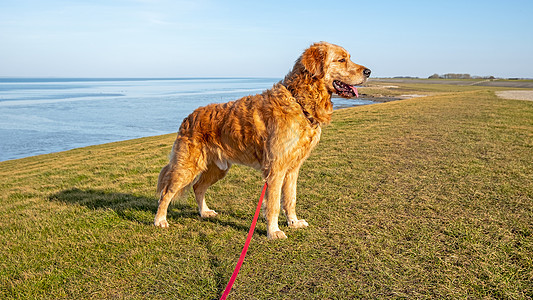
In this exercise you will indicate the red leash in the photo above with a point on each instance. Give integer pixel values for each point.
(243, 253)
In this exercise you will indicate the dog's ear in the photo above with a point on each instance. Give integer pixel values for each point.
(313, 59)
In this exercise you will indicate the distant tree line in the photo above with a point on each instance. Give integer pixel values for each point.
(458, 76)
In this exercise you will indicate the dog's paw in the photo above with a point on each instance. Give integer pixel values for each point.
(208, 213)
(161, 223)
(276, 235)
(298, 224)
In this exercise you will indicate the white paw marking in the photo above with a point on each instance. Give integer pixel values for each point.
(298, 224)
(208, 214)
(161, 223)
(276, 235)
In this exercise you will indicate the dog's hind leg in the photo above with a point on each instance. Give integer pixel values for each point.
(173, 180)
(172, 183)
(161, 215)
(207, 178)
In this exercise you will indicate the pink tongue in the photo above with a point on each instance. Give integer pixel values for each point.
(354, 89)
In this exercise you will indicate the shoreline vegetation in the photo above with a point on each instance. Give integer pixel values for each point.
(429, 197)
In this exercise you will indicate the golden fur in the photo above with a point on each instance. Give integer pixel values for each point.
(273, 132)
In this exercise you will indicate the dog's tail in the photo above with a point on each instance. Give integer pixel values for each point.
(164, 180)
(174, 180)
(185, 165)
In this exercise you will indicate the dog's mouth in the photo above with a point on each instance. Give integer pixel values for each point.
(345, 90)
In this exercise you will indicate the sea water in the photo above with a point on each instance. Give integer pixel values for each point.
(45, 115)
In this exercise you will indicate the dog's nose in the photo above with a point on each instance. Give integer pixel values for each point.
(367, 72)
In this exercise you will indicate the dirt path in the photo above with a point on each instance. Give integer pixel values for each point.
(516, 95)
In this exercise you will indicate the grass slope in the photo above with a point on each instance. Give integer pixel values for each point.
(427, 198)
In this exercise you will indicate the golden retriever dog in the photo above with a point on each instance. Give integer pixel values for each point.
(273, 132)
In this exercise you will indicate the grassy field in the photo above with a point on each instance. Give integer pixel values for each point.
(430, 87)
(424, 198)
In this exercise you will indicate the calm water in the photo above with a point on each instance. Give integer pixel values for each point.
(39, 116)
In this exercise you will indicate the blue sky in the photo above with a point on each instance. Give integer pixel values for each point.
(182, 38)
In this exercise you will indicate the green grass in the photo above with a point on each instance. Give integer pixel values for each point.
(424, 198)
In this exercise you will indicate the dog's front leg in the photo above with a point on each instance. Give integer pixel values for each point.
(289, 199)
(272, 205)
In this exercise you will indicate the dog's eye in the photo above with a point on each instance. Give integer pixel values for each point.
(342, 60)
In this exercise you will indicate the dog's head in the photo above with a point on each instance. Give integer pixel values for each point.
(332, 64)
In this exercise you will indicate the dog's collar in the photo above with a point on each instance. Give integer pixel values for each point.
(307, 115)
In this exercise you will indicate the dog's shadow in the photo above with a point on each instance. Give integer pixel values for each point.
(142, 209)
